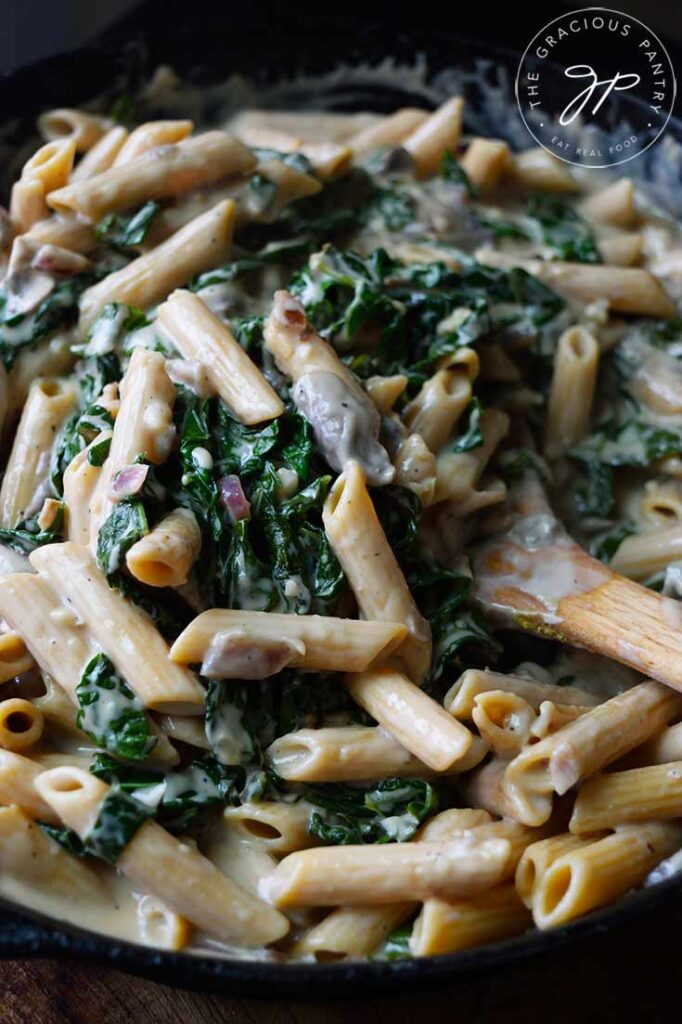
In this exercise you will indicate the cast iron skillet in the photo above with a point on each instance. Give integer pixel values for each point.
(215, 45)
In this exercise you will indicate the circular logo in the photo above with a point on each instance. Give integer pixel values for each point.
(595, 87)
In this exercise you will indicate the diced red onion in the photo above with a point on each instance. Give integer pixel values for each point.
(128, 481)
(232, 498)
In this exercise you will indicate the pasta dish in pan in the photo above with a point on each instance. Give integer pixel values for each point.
(340, 535)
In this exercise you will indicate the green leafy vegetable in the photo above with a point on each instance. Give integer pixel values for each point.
(26, 536)
(110, 713)
(118, 820)
(66, 837)
(242, 448)
(199, 490)
(177, 797)
(472, 435)
(562, 229)
(58, 309)
(390, 811)
(124, 233)
(397, 945)
(633, 442)
(126, 524)
(452, 170)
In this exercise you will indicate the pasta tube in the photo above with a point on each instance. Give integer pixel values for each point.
(21, 724)
(281, 828)
(537, 858)
(584, 746)
(460, 700)
(572, 391)
(199, 335)
(17, 786)
(166, 555)
(485, 161)
(360, 544)
(504, 721)
(626, 289)
(613, 205)
(598, 873)
(639, 794)
(388, 131)
(14, 657)
(351, 753)
(352, 931)
(77, 126)
(171, 870)
(448, 927)
(47, 406)
(143, 660)
(417, 721)
(102, 155)
(435, 136)
(645, 554)
(220, 639)
(80, 483)
(197, 246)
(143, 427)
(387, 873)
(148, 136)
(170, 171)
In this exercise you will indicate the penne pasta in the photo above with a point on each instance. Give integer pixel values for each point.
(143, 429)
(144, 659)
(460, 699)
(77, 126)
(613, 205)
(198, 161)
(351, 753)
(626, 289)
(149, 136)
(445, 926)
(18, 777)
(572, 392)
(388, 131)
(151, 277)
(198, 334)
(597, 873)
(387, 874)
(221, 640)
(166, 555)
(537, 858)
(101, 156)
(645, 794)
(437, 135)
(485, 162)
(15, 659)
(281, 828)
(414, 719)
(47, 406)
(359, 542)
(21, 724)
(585, 745)
(155, 860)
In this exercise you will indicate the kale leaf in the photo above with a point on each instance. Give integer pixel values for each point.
(110, 713)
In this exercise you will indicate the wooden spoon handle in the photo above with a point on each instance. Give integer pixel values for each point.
(628, 623)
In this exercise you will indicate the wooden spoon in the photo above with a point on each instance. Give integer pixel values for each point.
(536, 577)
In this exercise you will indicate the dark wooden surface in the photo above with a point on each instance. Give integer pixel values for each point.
(631, 975)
